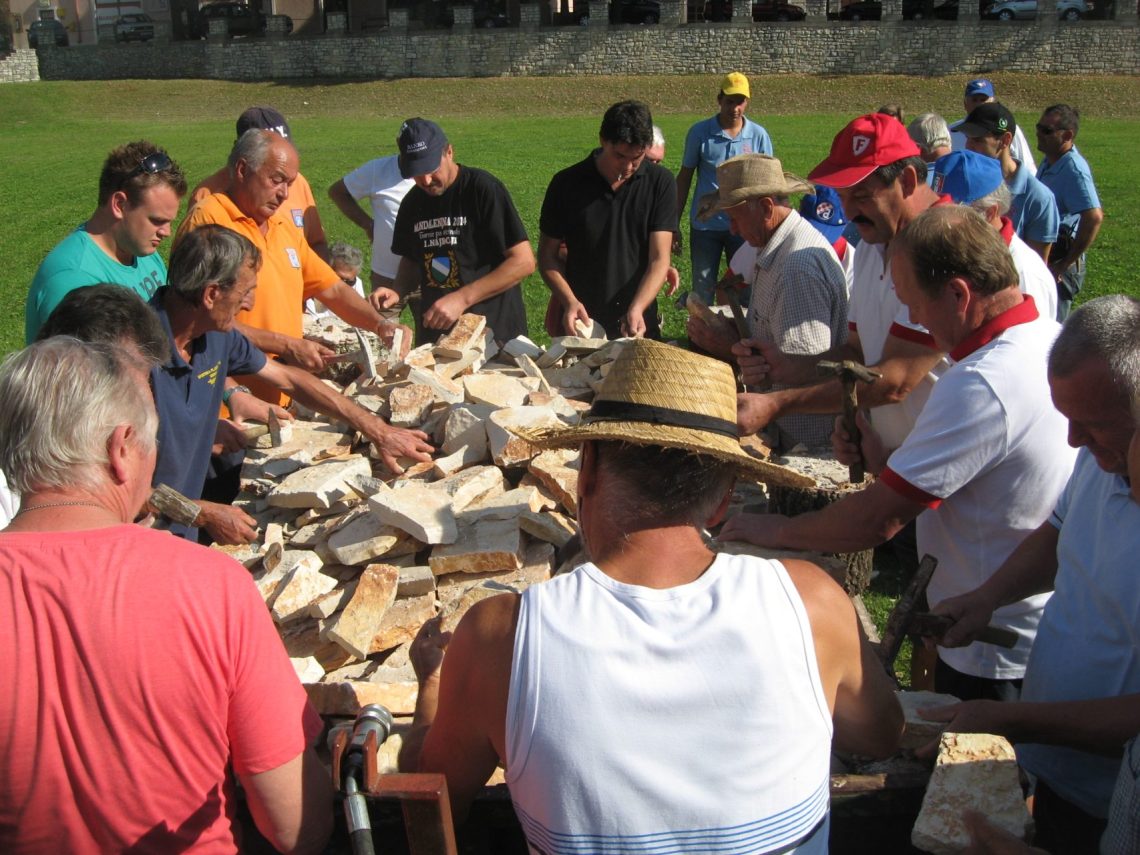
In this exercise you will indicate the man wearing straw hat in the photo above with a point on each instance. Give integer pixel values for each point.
(799, 289)
(584, 687)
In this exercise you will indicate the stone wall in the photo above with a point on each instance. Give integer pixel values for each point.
(19, 66)
(813, 47)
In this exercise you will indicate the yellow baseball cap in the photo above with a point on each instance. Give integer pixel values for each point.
(735, 83)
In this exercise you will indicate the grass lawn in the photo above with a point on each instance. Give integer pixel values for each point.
(55, 135)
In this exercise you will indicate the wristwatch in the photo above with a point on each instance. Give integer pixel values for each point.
(228, 393)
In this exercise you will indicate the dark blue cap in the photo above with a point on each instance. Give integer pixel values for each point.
(824, 211)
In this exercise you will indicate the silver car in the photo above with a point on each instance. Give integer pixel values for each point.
(1021, 10)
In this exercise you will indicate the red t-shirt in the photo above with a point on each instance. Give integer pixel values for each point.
(136, 669)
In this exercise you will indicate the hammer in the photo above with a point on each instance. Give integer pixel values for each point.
(728, 289)
(849, 371)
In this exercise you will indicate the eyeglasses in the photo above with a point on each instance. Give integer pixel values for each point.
(348, 280)
(153, 164)
(1046, 130)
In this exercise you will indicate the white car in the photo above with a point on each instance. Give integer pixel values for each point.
(1009, 10)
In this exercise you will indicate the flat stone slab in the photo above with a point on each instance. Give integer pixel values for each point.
(304, 584)
(410, 404)
(444, 390)
(522, 346)
(357, 623)
(401, 622)
(974, 771)
(557, 470)
(318, 486)
(415, 581)
(504, 506)
(364, 539)
(550, 527)
(507, 447)
(422, 510)
(495, 389)
(348, 697)
(467, 485)
(487, 545)
(465, 335)
(466, 425)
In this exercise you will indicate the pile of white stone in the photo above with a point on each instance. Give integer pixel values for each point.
(352, 561)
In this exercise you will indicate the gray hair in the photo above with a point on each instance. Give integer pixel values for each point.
(346, 255)
(1106, 328)
(63, 399)
(253, 148)
(209, 253)
(1000, 196)
(929, 131)
(658, 137)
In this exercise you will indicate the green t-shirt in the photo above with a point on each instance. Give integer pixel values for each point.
(77, 261)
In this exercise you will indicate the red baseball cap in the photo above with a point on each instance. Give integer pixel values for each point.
(862, 147)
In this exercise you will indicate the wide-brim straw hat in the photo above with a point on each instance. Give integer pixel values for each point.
(749, 176)
(659, 394)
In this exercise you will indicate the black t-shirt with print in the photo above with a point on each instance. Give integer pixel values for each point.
(457, 238)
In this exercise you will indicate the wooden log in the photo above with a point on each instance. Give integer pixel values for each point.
(832, 483)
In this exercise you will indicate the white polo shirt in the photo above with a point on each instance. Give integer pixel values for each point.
(1033, 274)
(988, 457)
(874, 313)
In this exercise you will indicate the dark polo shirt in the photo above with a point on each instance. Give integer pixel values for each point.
(607, 234)
(188, 397)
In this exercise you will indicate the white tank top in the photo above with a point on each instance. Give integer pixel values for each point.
(686, 720)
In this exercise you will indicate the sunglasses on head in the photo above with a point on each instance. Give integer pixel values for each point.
(153, 164)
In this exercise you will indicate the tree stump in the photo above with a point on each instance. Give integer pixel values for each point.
(831, 485)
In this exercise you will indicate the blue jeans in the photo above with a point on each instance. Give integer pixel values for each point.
(705, 250)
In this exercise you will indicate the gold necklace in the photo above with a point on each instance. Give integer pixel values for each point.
(56, 505)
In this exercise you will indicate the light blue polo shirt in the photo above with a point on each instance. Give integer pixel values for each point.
(1071, 181)
(1034, 210)
(706, 147)
(188, 396)
(1086, 645)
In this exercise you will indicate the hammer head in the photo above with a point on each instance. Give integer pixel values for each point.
(848, 371)
(731, 285)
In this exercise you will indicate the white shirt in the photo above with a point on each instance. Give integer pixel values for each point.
(380, 182)
(1033, 274)
(874, 313)
(630, 708)
(989, 456)
(314, 308)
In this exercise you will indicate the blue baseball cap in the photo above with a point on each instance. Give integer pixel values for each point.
(824, 211)
(421, 145)
(966, 176)
(980, 86)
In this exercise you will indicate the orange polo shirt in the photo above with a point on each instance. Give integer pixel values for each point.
(300, 207)
(290, 271)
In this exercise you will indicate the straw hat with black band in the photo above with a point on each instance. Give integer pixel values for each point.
(749, 176)
(658, 394)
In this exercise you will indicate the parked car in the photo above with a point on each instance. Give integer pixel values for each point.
(243, 19)
(912, 10)
(762, 10)
(137, 27)
(1022, 10)
(50, 30)
(776, 10)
